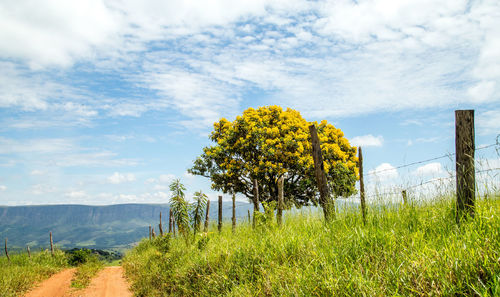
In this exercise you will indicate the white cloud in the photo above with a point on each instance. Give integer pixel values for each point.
(208, 56)
(367, 140)
(161, 187)
(384, 172)
(37, 172)
(166, 178)
(93, 159)
(482, 91)
(487, 164)
(40, 146)
(488, 122)
(429, 169)
(189, 176)
(119, 178)
(76, 194)
(3, 188)
(40, 189)
(54, 33)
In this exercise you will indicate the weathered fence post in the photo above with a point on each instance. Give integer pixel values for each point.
(149, 232)
(153, 234)
(464, 149)
(234, 212)
(279, 213)
(170, 221)
(173, 225)
(219, 226)
(160, 227)
(255, 199)
(319, 171)
(362, 185)
(405, 197)
(29, 252)
(51, 244)
(6, 251)
(249, 220)
(205, 228)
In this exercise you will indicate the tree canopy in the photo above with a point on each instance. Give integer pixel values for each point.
(266, 143)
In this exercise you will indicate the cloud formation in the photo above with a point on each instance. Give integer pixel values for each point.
(119, 178)
(203, 59)
(384, 172)
(367, 140)
(429, 169)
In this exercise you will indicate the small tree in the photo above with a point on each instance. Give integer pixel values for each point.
(180, 207)
(197, 210)
(262, 145)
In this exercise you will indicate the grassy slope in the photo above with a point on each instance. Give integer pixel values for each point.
(401, 251)
(21, 273)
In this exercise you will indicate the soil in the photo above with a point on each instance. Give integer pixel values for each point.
(109, 282)
(57, 285)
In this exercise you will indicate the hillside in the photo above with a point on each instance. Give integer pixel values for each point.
(412, 250)
(114, 227)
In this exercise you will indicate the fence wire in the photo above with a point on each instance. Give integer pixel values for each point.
(434, 180)
(448, 155)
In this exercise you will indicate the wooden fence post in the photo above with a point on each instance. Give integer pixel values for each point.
(160, 227)
(362, 185)
(51, 244)
(405, 197)
(249, 220)
(6, 251)
(153, 234)
(255, 199)
(279, 213)
(319, 171)
(170, 221)
(464, 149)
(29, 252)
(173, 225)
(205, 228)
(234, 212)
(149, 232)
(219, 226)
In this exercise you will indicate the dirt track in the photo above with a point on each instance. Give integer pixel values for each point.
(108, 283)
(57, 285)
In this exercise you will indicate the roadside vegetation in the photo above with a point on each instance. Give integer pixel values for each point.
(87, 263)
(22, 272)
(405, 250)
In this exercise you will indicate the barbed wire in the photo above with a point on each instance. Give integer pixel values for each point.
(375, 172)
(496, 144)
(427, 182)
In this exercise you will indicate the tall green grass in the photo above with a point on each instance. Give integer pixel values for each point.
(21, 273)
(415, 250)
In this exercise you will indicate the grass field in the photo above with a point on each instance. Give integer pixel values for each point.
(21, 273)
(414, 250)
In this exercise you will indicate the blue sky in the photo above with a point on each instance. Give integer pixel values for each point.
(105, 102)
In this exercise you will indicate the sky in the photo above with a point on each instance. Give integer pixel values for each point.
(105, 102)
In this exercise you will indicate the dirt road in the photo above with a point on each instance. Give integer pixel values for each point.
(57, 285)
(108, 283)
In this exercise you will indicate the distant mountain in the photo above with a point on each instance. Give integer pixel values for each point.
(112, 227)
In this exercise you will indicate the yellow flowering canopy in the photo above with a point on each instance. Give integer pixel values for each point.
(267, 143)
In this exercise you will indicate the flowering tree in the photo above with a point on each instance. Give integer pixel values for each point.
(266, 143)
